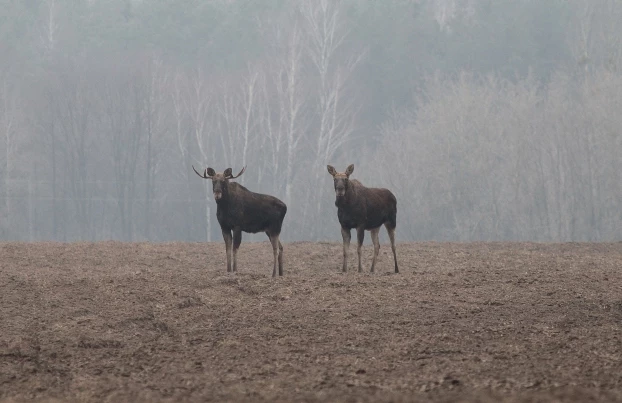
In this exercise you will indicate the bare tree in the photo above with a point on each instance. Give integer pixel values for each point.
(291, 95)
(156, 124)
(336, 113)
(283, 111)
(8, 131)
(249, 92)
(470, 144)
(593, 36)
(123, 96)
(49, 25)
(72, 105)
(192, 101)
(236, 120)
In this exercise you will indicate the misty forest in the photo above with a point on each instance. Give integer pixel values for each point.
(488, 119)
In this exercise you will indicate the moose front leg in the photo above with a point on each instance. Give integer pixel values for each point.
(360, 235)
(226, 234)
(237, 240)
(345, 233)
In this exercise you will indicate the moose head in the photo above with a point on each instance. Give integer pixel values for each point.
(342, 180)
(220, 181)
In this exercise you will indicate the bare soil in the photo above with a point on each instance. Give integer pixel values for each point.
(475, 322)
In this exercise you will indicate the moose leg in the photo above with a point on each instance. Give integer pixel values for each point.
(274, 240)
(345, 233)
(374, 239)
(391, 231)
(280, 258)
(237, 240)
(226, 234)
(360, 235)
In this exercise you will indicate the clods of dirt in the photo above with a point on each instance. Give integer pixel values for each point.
(479, 322)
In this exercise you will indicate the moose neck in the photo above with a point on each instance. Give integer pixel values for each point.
(224, 199)
(346, 198)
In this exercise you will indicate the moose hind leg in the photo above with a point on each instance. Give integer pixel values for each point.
(226, 234)
(237, 240)
(274, 240)
(345, 234)
(391, 232)
(360, 235)
(280, 258)
(374, 239)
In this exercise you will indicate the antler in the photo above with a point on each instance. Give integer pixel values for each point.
(241, 172)
(204, 176)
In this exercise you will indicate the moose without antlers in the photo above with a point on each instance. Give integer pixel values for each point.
(238, 209)
(364, 209)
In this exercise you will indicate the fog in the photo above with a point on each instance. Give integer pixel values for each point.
(489, 120)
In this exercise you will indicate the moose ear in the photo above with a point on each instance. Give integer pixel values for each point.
(331, 170)
(349, 170)
(210, 172)
(228, 172)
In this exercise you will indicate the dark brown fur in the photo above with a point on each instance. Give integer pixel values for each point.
(238, 209)
(363, 208)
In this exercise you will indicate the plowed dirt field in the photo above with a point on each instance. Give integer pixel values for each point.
(473, 322)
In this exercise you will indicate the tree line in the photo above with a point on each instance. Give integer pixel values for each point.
(489, 120)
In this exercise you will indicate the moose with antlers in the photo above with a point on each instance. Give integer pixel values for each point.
(238, 209)
(364, 209)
